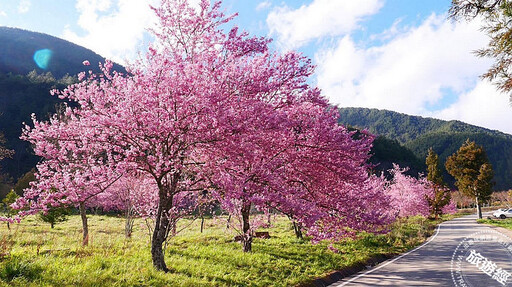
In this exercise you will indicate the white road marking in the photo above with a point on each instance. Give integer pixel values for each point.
(389, 262)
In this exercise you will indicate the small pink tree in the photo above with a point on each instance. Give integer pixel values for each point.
(74, 171)
(408, 194)
(134, 195)
(450, 208)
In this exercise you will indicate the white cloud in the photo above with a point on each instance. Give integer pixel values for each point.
(263, 5)
(3, 14)
(24, 6)
(416, 71)
(114, 29)
(482, 106)
(319, 19)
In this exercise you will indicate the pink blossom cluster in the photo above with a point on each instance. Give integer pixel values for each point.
(137, 195)
(409, 195)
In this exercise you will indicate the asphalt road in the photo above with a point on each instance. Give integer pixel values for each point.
(432, 263)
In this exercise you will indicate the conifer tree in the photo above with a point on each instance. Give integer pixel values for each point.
(441, 195)
(473, 172)
(497, 16)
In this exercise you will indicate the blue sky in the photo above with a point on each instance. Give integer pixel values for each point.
(401, 55)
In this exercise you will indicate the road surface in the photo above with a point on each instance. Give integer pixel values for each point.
(431, 263)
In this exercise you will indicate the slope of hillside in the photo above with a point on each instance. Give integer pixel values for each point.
(22, 51)
(445, 137)
(31, 64)
(21, 96)
(405, 128)
(385, 152)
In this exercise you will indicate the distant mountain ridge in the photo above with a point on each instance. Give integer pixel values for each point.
(445, 137)
(31, 64)
(406, 128)
(23, 51)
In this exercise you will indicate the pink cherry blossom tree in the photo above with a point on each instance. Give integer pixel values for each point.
(133, 195)
(306, 166)
(412, 196)
(176, 105)
(408, 194)
(328, 186)
(74, 171)
(450, 208)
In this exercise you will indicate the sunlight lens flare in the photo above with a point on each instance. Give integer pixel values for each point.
(42, 58)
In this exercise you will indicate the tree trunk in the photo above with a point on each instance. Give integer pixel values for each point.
(297, 227)
(247, 236)
(51, 225)
(128, 227)
(202, 223)
(8, 225)
(85, 227)
(162, 221)
(478, 208)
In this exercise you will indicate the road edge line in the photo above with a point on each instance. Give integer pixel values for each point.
(343, 283)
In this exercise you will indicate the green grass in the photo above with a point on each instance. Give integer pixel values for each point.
(505, 223)
(32, 254)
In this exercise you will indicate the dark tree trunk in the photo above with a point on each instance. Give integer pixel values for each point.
(247, 243)
(85, 227)
(51, 225)
(8, 225)
(297, 228)
(202, 223)
(160, 233)
(247, 236)
(478, 208)
(228, 221)
(162, 222)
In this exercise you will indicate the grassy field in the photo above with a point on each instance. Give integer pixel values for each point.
(32, 254)
(505, 223)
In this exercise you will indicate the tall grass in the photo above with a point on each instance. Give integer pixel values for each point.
(32, 254)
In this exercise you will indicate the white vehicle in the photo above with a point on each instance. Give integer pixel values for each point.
(503, 213)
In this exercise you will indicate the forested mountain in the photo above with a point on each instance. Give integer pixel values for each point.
(386, 151)
(445, 137)
(20, 96)
(23, 51)
(31, 64)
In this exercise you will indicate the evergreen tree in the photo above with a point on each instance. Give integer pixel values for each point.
(497, 16)
(441, 196)
(55, 215)
(473, 172)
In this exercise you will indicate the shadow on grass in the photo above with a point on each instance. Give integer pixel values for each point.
(15, 267)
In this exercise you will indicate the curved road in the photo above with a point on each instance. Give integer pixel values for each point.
(430, 264)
